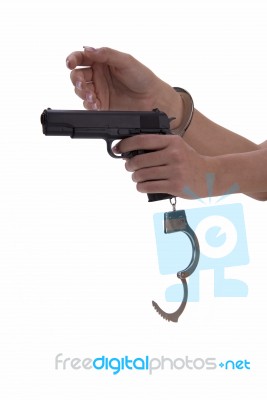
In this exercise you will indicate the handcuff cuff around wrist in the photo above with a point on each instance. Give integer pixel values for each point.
(188, 111)
(176, 221)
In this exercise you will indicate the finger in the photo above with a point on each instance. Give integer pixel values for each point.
(111, 57)
(159, 186)
(85, 90)
(102, 55)
(78, 58)
(81, 75)
(147, 160)
(149, 174)
(144, 142)
(93, 106)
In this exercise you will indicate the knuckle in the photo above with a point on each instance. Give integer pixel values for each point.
(129, 58)
(140, 187)
(174, 150)
(104, 50)
(86, 105)
(173, 154)
(73, 75)
(128, 166)
(134, 177)
(137, 176)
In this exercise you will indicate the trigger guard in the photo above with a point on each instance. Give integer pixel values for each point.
(109, 149)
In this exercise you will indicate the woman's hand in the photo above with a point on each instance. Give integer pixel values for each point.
(171, 167)
(112, 80)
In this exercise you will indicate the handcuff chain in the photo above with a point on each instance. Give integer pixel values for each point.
(173, 203)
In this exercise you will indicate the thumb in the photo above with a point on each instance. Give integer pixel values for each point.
(103, 55)
(108, 56)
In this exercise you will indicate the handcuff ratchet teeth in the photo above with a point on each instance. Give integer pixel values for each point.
(176, 221)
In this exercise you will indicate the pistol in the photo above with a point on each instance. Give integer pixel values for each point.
(107, 125)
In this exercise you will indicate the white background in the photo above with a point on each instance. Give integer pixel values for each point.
(78, 266)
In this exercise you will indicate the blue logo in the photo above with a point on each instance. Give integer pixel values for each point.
(231, 364)
(222, 237)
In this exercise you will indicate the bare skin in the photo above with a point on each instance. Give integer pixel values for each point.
(111, 80)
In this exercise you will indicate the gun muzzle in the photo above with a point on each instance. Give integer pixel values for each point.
(53, 127)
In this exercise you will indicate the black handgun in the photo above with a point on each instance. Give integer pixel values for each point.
(107, 125)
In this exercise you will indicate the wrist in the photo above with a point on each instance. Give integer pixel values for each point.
(170, 102)
(223, 168)
(178, 104)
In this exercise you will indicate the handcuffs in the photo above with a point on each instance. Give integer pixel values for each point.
(176, 221)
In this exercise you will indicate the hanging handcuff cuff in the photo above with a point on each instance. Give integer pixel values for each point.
(176, 221)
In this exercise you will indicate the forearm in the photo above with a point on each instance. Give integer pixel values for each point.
(237, 159)
(211, 139)
(247, 171)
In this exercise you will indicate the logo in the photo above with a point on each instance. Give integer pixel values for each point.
(148, 364)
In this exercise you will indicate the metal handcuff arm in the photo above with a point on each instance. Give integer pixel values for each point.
(176, 221)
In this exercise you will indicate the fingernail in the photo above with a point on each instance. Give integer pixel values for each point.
(88, 48)
(115, 149)
(79, 85)
(68, 63)
(89, 97)
(94, 107)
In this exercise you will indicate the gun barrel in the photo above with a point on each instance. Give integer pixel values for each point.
(103, 124)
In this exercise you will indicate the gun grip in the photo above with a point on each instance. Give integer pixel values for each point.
(151, 196)
(158, 196)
